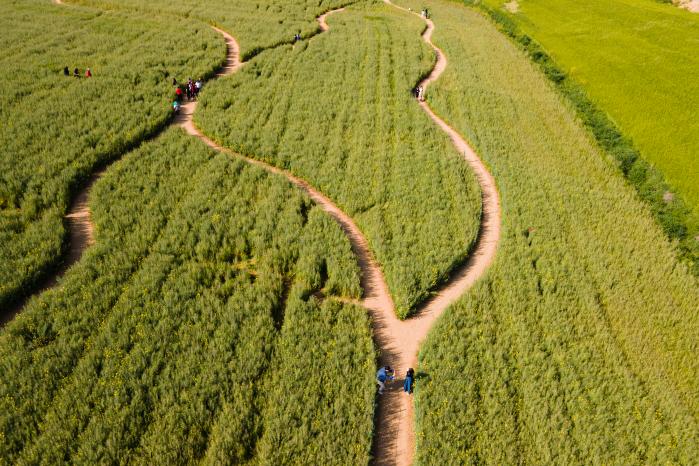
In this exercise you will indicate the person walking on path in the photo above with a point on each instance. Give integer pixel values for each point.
(178, 94)
(421, 94)
(88, 73)
(408, 384)
(384, 374)
(66, 71)
(192, 90)
(76, 73)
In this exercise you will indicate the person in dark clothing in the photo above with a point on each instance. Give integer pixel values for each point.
(408, 384)
(192, 89)
(66, 71)
(76, 73)
(174, 81)
(188, 89)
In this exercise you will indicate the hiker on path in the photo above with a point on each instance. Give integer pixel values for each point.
(198, 85)
(384, 374)
(174, 81)
(178, 94)
(88, 73)
(192, 89)
(421, 94)
(408, 384)
(66, 71)
(76, 73)
(176, 107)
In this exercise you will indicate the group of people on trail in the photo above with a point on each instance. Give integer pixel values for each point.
(190, 89)
(76, 72)
(386, 374)
(419, 93)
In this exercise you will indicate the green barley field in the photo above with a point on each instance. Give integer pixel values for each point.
(343, 119)
(257, 25)
(569, 351)
(638, 61)
(58, 130)
(219, 318)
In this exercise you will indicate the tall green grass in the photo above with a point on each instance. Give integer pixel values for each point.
(338, 112)
(579, 346)
(256, 25)
(176, 339)
(630, 69)
(57, 130)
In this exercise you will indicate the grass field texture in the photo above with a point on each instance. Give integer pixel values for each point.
(638, 61)
(57, 130)
(176, 339)
(343, 118)
(580, 344)
(256, 25)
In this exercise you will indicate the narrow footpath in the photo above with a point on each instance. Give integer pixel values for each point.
(398, 341)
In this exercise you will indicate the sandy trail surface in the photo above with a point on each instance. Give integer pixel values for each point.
(690, 5)
(80, 237)
(398, 341)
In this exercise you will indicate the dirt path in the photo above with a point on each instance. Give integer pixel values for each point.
(398, 341)
(321, 19)
(689, 5)
(80, 236)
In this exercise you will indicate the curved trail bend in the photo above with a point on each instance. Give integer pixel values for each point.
(376, 295)
(397, 340)
(394, 441)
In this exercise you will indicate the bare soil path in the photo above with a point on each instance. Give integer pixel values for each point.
(689, 5)
(394, 441)
(398, 341)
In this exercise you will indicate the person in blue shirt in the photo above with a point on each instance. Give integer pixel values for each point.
(408, 384)
(384, 374)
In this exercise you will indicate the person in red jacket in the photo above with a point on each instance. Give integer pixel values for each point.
(88, 73)
(178, 94)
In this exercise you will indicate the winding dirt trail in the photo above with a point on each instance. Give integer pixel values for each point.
(80, 237)
(398, 341)
(376, 295)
